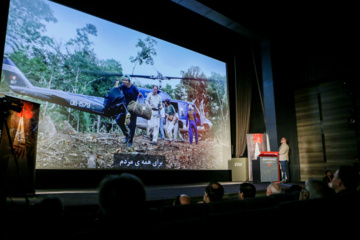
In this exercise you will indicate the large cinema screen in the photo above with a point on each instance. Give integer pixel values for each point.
(68, 61)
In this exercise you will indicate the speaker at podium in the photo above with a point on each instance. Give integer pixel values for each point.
(239, 169)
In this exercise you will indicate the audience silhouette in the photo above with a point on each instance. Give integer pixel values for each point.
(121, 195)
(123, 206)
(273, 188)
(315, 188)
(328, 176)
(214, 191)
(182, 199)
(346, 179)
(247, 190)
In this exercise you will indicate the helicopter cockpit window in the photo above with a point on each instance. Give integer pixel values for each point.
(181, 112)
(182, 109)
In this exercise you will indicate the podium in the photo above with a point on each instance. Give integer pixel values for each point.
(266, 167)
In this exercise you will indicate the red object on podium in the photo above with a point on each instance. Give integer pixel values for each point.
(269, 153)
(272, 154)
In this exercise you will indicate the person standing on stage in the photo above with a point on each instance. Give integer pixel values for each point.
(154, 100)
(191, 121)
(284, 160)
(131, 93)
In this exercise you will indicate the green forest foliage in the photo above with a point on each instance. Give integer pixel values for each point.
(49, 63)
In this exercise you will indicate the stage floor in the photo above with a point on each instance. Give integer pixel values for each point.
(156, 195)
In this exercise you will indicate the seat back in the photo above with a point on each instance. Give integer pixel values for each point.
(179, 212)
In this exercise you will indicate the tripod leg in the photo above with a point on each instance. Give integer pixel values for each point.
(16, 161)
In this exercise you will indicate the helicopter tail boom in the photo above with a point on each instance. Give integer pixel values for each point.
(13, 75)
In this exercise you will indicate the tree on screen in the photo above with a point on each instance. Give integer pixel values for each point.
(146, 53)
(25, 24)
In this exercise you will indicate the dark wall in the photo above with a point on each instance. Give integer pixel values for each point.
(257, 118)
(4, 9)
(303, 61)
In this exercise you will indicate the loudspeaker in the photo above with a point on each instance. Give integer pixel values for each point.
(239, 169)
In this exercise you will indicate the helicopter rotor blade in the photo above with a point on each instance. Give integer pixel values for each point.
(170, 78)
(143, 76)
(199, 79)
(101, 73)
(152, 77)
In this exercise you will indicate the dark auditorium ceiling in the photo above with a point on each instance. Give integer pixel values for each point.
(326, 24)
(268, 19)
(297, 19)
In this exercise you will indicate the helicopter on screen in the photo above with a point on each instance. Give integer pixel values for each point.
(19, 84)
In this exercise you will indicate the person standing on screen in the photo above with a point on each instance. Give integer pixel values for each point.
(284, 160)
(162, 122)
(154, 100)
(177, 133)
(169, 118)
(191, 121)
(131, 93)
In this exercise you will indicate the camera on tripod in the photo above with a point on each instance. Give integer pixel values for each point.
(7, 104)
(15, 174)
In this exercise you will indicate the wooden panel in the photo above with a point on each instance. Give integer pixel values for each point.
(309, 132)
(322, 114)
(312, 170)
(340, 140)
